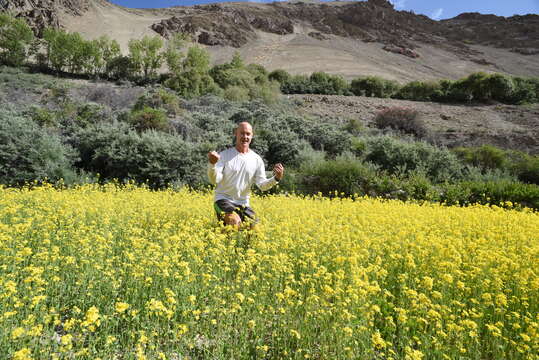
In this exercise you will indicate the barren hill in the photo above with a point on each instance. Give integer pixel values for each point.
(346, 38)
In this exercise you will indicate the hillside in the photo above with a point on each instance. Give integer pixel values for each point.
(346, 38)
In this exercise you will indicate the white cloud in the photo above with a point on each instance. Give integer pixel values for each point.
(398, 4)
(437, 14)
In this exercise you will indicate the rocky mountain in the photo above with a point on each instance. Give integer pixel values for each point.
(350, 38)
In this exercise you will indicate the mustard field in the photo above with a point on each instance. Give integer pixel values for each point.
(128, 273)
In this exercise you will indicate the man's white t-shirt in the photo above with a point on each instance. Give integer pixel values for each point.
(235, 173)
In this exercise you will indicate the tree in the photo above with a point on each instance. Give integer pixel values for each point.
(106, 51)
(194, 79)
(146, 56)
(15, 39)
(173, 54)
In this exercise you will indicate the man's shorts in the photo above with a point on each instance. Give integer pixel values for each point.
(245, 213)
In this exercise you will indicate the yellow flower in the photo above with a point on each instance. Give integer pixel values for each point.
(121, 307)
(17, 333)
(23, 354)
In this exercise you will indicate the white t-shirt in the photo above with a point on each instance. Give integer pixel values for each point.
(235, 173)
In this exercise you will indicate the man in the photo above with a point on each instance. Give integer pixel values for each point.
(235, 170)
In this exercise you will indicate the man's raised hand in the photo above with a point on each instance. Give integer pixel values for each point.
(213, 157)
(278, 170)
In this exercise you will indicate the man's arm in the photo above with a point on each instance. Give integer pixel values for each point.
(260, 177)
(215, 167)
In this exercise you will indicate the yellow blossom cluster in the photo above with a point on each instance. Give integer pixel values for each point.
(106, 272)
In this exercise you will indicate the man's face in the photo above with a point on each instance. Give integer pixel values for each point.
(244, 134)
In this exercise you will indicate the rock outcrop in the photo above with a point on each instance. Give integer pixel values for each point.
(44, 13)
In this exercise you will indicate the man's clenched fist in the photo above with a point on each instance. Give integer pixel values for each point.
(213, 157)
(278, 170)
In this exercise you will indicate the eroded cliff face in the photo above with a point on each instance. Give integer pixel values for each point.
(44, 13)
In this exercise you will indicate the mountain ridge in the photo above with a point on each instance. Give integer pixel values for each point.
(341, 37)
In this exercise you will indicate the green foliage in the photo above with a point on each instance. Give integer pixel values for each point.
(174, 55)
(404, 157)
(374, 86)
(117, 152)
(159, 98)
(70, 52)
(526, 91)
(316, 83)
(501, 87)
(194, 80)
(121, 68)
(15, 39)
(323, 83)
(485, 157)
(242, 82)
(279, 75)
(148, 118)
(146, 56)
(418, 91)
(344, 175)
(236, 93)
(497, 192)
(28, 153)
(402, 119)
(526, 168)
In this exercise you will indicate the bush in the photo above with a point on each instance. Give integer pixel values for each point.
(159, 98)
(527, 169)
(402, 119)
(29, 153)
(374, 86)
(279, 75)
(120, 68)
(345, 175)
(418, 91)
(148, 118)
(525, 91)
(236, 93)
(404, 157)
(501, 87)
(326, 84)
(485, 157)
(116, 152)
(496, 193)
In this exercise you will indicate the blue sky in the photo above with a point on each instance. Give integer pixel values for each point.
(436, 9)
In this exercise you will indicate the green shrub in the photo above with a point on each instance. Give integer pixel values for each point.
(120, 68)
(148, 118)
(485, 157)
(418, 91)
(279, 75)
(526, 91)
(116, 152)
(404, 157)
(15, 39)
(326, 84)
(501, 87)
(28, 152)
(194, 78)
(344, 175)
(159, 98)
(297, 84)
(402, 119)
(495, 193)
(527, 169)
(374, 86)
(236, 93)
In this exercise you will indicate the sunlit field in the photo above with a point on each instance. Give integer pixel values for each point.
(127, 273)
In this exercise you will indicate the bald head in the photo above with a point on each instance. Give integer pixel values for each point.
(244, 135)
